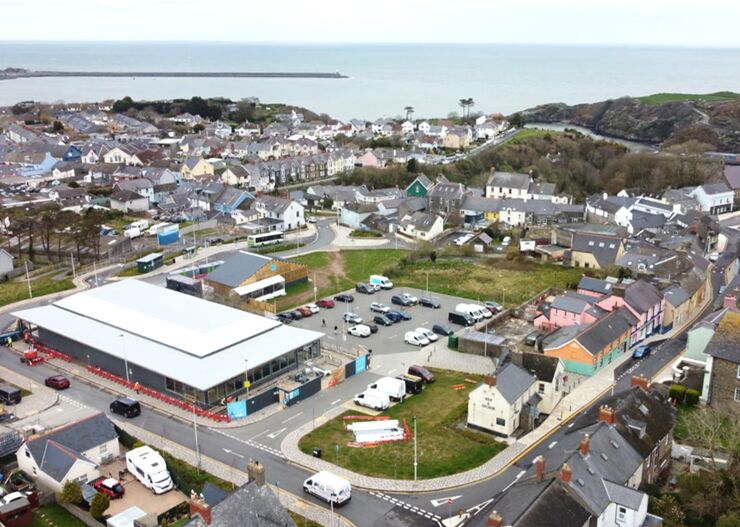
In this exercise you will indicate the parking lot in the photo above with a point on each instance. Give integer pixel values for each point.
(388, 339)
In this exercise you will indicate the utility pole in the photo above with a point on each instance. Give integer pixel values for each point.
(72, 258)
(416, 459)
(28, 279)
(195, 431)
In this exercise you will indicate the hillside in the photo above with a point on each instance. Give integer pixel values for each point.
(673, 118)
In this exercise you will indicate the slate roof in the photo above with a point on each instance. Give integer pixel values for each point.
(724, 342)
(447, 190)
(603, 287)
(249, 505)
(675, 296)
(542, 366)
(642, 296)
(236, 269)
(512, 381)
(545, 189)
(212, 494)
(610, 204)
(509, 180)
(715, 188)
(275, 204)
(57, 451)
(572, 302)
(126, 195)
(732, 175)
(643, 220)
(601, 333)
(554, 502)
(604, 248)
(424, 180)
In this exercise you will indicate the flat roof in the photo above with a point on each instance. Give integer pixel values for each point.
(192, 325)
(149, 257)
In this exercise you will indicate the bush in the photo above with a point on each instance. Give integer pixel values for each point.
(691, 397)
(99, 505)
(677, 392)
(125, 438)
(71, 493)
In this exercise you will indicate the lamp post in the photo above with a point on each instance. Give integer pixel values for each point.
(416, 459)
(125, 358)
(246, 376)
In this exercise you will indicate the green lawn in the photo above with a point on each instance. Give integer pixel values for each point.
(54, 516)
(359, 265)
(365, 234)
(660, 98)
(15, 290)
(312, 260)
(444, 446)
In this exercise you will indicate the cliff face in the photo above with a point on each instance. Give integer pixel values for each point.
(632, 119)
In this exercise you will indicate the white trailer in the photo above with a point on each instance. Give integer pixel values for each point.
(149, 468)
(157, 228)
(142, 225)
(395, 389)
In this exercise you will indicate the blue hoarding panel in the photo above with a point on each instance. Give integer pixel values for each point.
(360, 364)
(237, 409)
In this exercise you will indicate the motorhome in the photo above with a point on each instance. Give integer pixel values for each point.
(395, 389)
(149, 467)
(328, 487)
(382, 281)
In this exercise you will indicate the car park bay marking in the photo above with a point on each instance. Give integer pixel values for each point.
(421, 512)
(291, 418)
(390, 372)
(276, 433)
(335, 402)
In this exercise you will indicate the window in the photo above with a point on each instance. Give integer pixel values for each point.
(500, 422)
(738, 371)
(542, 387)
(621, 514)
(737, 395)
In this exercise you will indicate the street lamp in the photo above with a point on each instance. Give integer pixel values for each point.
(416, 459)
(125, 358)
(246, 376)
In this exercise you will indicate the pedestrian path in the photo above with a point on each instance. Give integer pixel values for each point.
(41, 398)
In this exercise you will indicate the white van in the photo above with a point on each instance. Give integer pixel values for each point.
(149, 468)
(416, 339)
(328, 487)
(395, 389)
(381, 281)
(372, 399)
(468, 310)
(428, 333)
(506, 241)
(132, 232)
(481, 310)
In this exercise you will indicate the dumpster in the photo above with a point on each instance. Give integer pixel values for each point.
(452, 342)
(316, 452)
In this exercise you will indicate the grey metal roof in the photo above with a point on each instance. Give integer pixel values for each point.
(512, 381)
(237, 268)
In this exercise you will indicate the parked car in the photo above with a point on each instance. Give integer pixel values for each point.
(325, 303)
(531, 339)
(429, 302)
(713, 257)
(125, 406)
(442, 329)
(382, 320)
(111, 487)
(313, 308)
(394, 316)
(360, 330)
(411, 298)
(344, 297)
(364, 288)
(428, 333)
(305, 311)
(13, 496)
(415, 339)
(400, 300)
(285, 318)
(373, 328)
(462, 319)
(641, 352)
(311, 219)
(402, 314)
(422, 372)
(495, 307)
(378, 307)
(58, 382)
(352, 318)
(296, 314)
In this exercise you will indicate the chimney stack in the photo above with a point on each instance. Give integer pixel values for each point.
(585, 443)
(540, 461)
(256, 472)
(607, 415)
(641, 381)
(197, 505)
(495, 519)
(490, 380)
(565, 473)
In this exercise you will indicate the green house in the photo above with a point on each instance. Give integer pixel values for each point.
(419, 187)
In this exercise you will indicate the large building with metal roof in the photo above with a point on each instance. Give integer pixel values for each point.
(171, 342)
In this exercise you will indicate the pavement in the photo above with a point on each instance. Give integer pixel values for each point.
(41, 398)
(342, 239)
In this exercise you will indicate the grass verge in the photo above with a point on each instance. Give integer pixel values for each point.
(13, 291)
(445, 447)
(54, 516)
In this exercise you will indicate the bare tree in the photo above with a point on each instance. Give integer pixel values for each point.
(714, 431)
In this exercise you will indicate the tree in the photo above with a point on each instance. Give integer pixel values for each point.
(47, 227)
(71, 493)
(327, 202)
(198, 128)
(669, 509)
(713, 430)
(57, 127)
(731, 519)
(517, 120)
(123, 105)
(412, 165)
(99, 505)
(65, 220)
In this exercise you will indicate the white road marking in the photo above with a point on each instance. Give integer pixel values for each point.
(335, 402)
(443, 501)
(276, 433)
(233, 453)
(261, 434)
(292, 417)
(521, 474)
(421, 512)
(390, 372)
(552, 444)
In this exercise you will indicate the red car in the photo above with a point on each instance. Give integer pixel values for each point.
(58, 382)
(305, 311)
(111, 487)
(325, 303)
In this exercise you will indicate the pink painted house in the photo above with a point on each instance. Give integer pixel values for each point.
(568, 309)
(369, 159)
(594, 287)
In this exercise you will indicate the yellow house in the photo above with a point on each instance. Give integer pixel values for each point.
(196, 167)
(595, 251)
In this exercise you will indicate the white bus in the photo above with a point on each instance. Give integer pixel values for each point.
(268, 238)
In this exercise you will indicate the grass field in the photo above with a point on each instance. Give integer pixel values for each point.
(529, 133)
(54, 516)
(14, 290)
(312, 260)
(359, 265)
(444, 446)
(660, 98)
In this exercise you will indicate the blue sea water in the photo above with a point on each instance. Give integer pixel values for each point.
(383, 78)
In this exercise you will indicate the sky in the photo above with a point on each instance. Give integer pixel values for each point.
(709, 23)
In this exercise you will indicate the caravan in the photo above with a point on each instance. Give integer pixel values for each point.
(149, 468)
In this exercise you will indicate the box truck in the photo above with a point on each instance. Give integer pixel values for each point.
(328, 487)
(149, 468)
(395, 389)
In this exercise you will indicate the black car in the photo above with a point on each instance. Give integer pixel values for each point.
(401, 314)
(126, 407)
(382, 320)
(373, 328)
(393, 316)
(285, 318)
(400, 300)
(442, 329)
(364, 288)
(429, 302)
(297, 315)
(344, 297)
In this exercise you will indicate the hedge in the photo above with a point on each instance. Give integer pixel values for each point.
(677, 392)
(691, 397)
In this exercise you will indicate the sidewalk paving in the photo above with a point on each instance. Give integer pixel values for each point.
(41, 398)
(342, 239)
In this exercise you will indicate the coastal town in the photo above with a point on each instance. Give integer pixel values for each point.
(223, 313)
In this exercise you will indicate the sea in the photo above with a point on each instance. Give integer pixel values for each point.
(382, 80)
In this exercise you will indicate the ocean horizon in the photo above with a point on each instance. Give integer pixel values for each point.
(382, 78)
